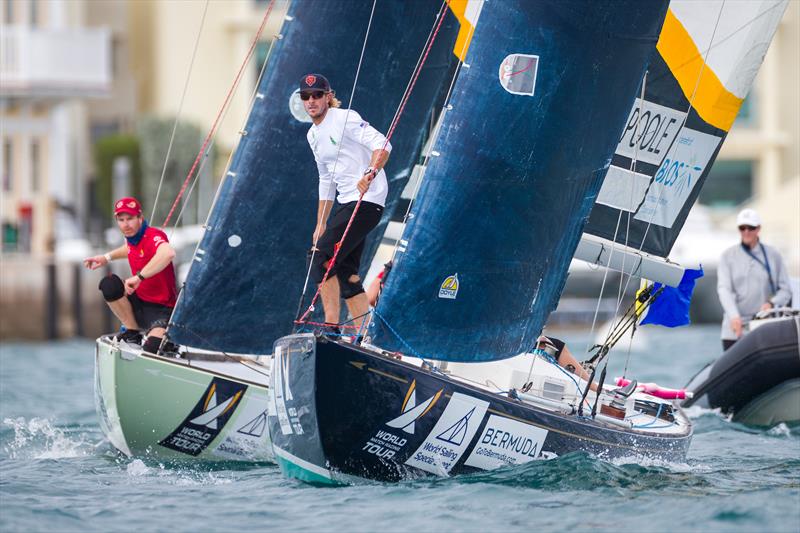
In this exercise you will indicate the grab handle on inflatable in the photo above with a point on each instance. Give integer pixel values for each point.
(656, 390)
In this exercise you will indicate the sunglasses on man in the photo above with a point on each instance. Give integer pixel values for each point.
(747, 228)
(316, 95)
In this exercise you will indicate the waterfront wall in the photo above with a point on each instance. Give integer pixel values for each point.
(45, 299)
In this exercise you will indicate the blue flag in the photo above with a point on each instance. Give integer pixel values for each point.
(671, 307)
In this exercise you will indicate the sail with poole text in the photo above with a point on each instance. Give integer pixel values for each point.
(247, 275)
(709, 52)
(537, 111)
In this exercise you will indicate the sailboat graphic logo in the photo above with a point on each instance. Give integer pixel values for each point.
(255, 427)
(455, 434)
(449, 288)
(411, 411)
(213, 410)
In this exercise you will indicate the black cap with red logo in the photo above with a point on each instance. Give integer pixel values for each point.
(314, 82)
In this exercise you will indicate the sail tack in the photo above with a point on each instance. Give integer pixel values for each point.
(537, 112)
(709, 52)
(246, 279)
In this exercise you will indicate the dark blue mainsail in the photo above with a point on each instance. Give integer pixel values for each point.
(243, 289)
(535, 120)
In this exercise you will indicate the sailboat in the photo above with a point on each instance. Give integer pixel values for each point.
(211, 402)
(445, 383)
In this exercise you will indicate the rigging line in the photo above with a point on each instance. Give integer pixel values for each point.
(632, 169)
(432, 140)
(314, 249)
(232, 358)
(241, 128)
(180, 109)
(337, 248)
(230, 159)
(213, 129)
(628, 356)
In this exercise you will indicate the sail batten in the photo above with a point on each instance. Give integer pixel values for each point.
(522, 156)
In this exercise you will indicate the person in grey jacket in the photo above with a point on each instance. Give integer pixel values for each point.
(751, 278)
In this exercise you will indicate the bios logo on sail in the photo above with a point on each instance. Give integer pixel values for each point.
(449, 287)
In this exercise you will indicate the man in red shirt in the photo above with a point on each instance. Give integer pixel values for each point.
(144, 301)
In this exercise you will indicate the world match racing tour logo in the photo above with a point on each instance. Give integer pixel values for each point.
(208, 417)
(386, 444)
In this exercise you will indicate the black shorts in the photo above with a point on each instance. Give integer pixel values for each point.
(348, 261)
(559, 344)
(149, 315)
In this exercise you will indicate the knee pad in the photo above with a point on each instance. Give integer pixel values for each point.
(112, 288)
(152, 344)
(349, 288)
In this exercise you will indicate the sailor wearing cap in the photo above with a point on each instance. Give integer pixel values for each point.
(751, 277)
(350, 155)
(144, 301)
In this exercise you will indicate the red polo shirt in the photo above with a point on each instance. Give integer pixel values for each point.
(160, 288)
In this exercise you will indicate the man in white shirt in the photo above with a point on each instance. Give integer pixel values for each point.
(751, 277)
(350, 155)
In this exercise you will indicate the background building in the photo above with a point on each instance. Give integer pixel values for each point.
(51, 65)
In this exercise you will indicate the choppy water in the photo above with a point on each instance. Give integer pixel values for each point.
(58, 474)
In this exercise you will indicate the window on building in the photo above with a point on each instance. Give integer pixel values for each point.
(36, 166)
(8, 165)
(262, 49)
(10, 237)
(34, 13)
(729, 183)
(747, 116)
(9, 12)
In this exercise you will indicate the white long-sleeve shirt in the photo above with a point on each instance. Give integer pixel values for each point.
(343, 144)
(743, 284)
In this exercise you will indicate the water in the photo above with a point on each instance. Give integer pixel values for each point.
(57, 473)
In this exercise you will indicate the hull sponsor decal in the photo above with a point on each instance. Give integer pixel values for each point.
(386, 444)
(677, 176)
(281, 393)
(208, 417)
(507, 442)
(249, 439)
(411, 412)
(450, 437)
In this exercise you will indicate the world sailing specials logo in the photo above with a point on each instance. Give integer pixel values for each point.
(208, 417)
(449, 287)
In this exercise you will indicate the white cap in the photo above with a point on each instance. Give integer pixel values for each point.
(748, 217)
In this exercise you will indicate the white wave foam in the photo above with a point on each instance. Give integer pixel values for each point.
(137, 468)
(781, 430)
(181, 478)
(39, 438)
(650, 462)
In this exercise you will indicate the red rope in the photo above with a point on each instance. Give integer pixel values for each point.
(392, 127)
(219, 114)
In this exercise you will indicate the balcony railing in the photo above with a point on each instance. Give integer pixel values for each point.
(60, 63)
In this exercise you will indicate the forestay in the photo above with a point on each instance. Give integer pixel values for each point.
(709, 52)
(537, 113)
(247, 276)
